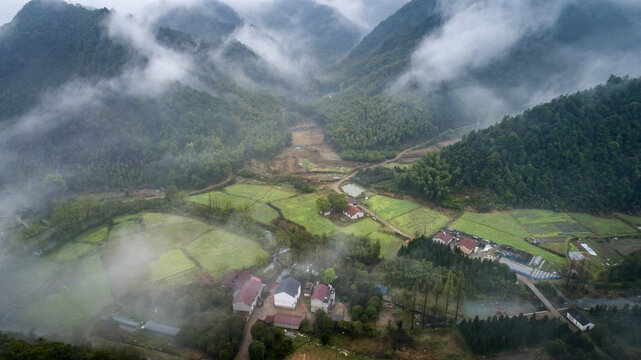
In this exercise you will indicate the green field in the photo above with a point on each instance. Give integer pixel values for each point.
(264, 193)
(362, 227)
(94, 236)
(124, 228)
(469, 226)
(502, 221)
(219, 251)
(58, 312)
(547, 223)
(603, 226)
(389, 243)
(70, 251)
(420, 221)
(302, 210)
(389, 208)
(634, 220)
(222, 199)
(263, 213)
(91, 291)
(160, 219)
(535, 216)
(170, 264)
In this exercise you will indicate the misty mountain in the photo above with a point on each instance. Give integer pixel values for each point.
(209, 20)
(49, 43)
(577, 152)
(310, 30)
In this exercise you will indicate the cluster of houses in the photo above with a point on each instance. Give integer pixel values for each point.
(247, 290)
(466, 244)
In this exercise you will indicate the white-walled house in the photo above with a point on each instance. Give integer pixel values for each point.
(580, 320)
(247, 296)
(322, 298)
(353, 212)
(287, 293)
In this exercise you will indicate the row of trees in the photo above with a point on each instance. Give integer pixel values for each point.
(575, 152)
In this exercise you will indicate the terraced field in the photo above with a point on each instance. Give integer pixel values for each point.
(263, 213)
(603, 226)
(71, 251)
(420, 221)
(389, 208)
(302, 210)
(221, 199)
(218, 251)
(94, 236)
(170, 264)
(264, 193)
(362, 227)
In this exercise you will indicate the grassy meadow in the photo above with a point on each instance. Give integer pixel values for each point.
(420, 221)
(302, 210)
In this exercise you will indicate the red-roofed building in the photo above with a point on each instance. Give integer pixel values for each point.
(353, 212)
(467, 245)
(246, 298)
(322, 298)
(443, 238)
(235, 278)
(287, 321)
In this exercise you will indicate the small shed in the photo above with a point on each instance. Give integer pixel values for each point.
(287, 321)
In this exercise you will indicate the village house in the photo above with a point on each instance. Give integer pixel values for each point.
(287, 293)
(467, 246)
(443, 238)
(322, 298)
(246, 298)
(353, 212)
(580, 320)
(287, 321)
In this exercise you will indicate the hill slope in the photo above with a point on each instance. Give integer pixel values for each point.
(578, 152)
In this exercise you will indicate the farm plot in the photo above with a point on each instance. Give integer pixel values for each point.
(390, 243)
(93, 236)
(634, 220)
(125, 228)
(70, 252)
(302, 210)
(221, 199)
(558, 248)
(546, 223)
(627, 245)
(503, 238)
(389, 208)
(603, 226)
(263, 213)
(91, 289)
(219, 250)
(501, 221)
(264, 193)
(420, 221)
(58, 312)
(362, 227)
(170, 264)
(160, 219)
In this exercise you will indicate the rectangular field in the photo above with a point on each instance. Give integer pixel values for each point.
(535, 216)
(302, 210)
(169, 264)
(603, 226)
(362, 227)
(634, 220)
(389, 208)
(160, 219)
(626, 246)
(504, 238)
(71, 251)
(264, 193)
(390, 243)
(57, 312)
(219, 251)
(93, 236)
(501, 221)
(221, 199)
(420, 221)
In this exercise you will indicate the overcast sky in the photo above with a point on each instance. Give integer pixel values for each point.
(365, 13)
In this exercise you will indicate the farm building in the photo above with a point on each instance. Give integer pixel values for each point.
(443, 238)
(246, 298)
(287, 293)
(322, 298)
(287, 321)
(580, 320)
(125, 321)
(467, 246)
(353, 212)
(161, 329)
(235, 278)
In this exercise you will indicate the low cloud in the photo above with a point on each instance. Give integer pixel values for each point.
(366, 14)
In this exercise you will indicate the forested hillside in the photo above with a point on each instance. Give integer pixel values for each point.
(576, 152)
(34, 57)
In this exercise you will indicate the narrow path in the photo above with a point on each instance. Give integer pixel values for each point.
(212, 187)
(544, 300)
(384, 222)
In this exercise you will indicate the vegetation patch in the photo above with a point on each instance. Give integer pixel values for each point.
(604, 226)
(91, 290)
(160, 219)
(388, 208)
(94, 236)
(170, 264)
(218, 251)
(71, 251)
(503, 238)
(263, 213)
(634, 220)
(57, 312)
(303, 211)
(221, 199)
(626, 246)
(421, 221)
(362, 227)
(259, 192)
(390, 243)
(125, 228)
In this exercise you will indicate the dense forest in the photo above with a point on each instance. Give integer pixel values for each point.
(576, 152)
